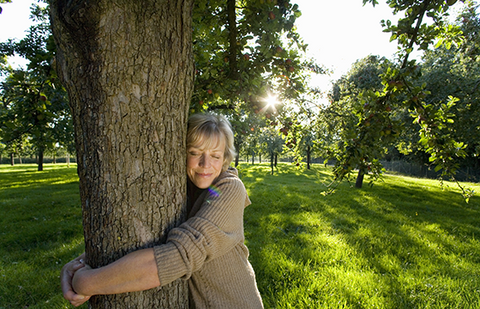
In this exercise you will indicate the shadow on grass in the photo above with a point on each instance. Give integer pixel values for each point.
(409, 238)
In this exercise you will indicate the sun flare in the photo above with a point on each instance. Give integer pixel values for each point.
(271, 100)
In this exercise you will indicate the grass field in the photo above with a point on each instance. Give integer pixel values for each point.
(403, 243)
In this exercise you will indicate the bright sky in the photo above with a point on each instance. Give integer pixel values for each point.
(14, 21)
(342, 31)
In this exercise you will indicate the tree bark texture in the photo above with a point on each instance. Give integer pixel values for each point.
(128, 69)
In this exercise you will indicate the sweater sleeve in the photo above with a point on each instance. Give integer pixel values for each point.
(215, 229)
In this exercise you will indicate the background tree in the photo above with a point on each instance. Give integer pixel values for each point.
(35, 104)
(399, 86)
(456, 72)
(272, 143)
(363, 128)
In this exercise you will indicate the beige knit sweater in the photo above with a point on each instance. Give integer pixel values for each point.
(208, 249)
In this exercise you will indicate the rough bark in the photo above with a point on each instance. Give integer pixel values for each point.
(128, 69)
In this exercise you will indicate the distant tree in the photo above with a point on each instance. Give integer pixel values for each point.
(272, 144)
(399, 86)
(363, 129)
(35, 104)
(456, 72)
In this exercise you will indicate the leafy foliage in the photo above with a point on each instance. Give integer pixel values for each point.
(368, 132)
(244, 51)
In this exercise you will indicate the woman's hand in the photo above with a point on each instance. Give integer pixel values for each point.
(66, 276)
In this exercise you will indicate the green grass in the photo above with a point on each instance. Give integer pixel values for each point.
(403, 243)
(40, 230)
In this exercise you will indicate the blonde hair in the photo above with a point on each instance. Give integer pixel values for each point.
(207, 130)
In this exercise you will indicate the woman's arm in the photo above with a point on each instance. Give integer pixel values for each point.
(136, 271)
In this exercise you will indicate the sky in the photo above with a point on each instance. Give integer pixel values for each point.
(342, 31)
(338, 32)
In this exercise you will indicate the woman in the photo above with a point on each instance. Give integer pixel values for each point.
(207, 250)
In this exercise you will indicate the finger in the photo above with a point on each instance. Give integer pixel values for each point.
(80, 301)
(77, 266)
(71, 296)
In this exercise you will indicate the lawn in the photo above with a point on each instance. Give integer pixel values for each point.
(403, 243)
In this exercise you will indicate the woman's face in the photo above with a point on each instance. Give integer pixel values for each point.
(205, 164)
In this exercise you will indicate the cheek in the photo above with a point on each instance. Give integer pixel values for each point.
(191, 163)
(219, 165)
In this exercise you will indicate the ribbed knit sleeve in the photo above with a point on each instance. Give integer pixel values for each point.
(214, 230)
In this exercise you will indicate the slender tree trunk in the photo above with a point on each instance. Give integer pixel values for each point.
(272, 156)
(361, 174)
(128, 69)
(12, 159)
(68, 159)
(276, 160)
(253, 157)
(20, 160)
(308, 157)
(237, 158)
(40, 159)
(259, 158)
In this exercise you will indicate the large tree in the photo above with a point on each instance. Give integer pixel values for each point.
(128, 69)
(129, 72)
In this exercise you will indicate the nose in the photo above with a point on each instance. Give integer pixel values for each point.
(205, 161)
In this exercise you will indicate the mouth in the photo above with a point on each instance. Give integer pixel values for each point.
(204, 175)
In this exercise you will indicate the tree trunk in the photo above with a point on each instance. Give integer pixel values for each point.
(272, 156)
(253, 157)
(40, 159)
(276, 159)
(359, 182)
(237, 158)
(260, 158)
(308, 157)
(12, 159)
(128, 69)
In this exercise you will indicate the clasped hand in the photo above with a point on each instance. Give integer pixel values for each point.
(67, 274)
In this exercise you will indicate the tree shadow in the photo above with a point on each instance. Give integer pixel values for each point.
(396, 229)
